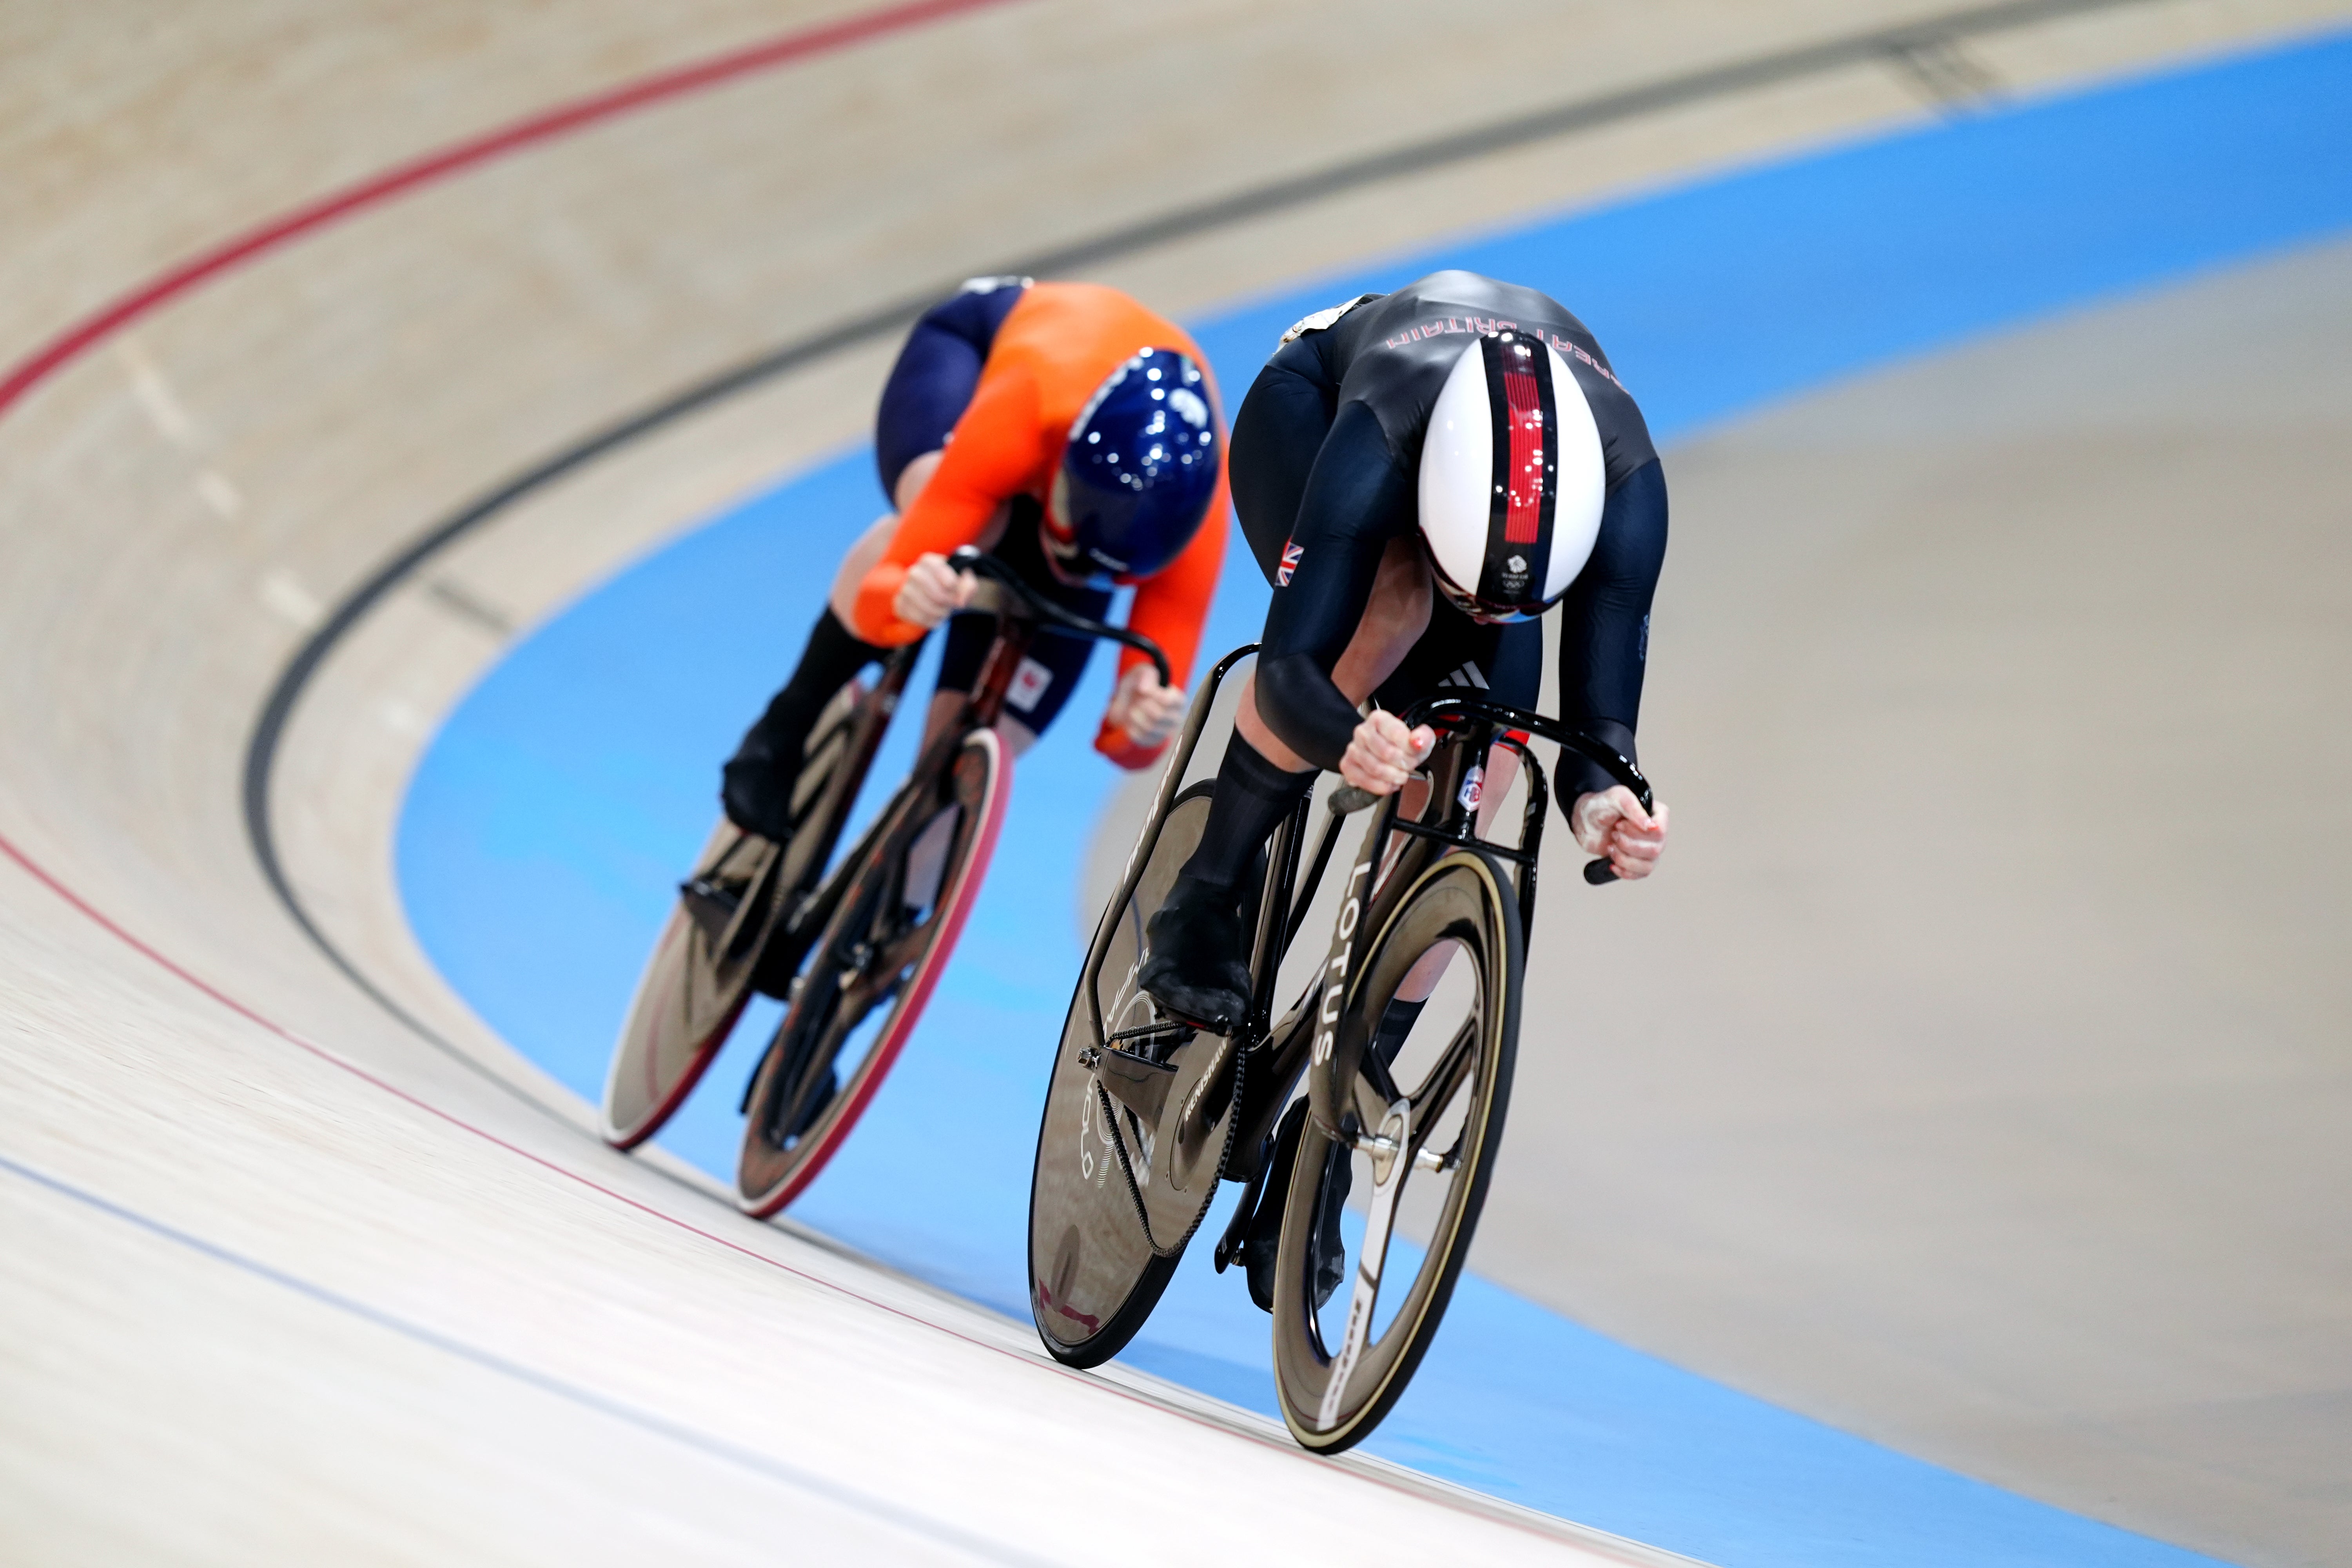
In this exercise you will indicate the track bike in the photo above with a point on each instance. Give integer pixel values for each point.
(1145, 1113)
(855, 952)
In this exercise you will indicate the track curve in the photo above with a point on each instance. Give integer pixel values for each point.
(181, 515)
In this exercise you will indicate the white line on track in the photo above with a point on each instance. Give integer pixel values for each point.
(764, 1465)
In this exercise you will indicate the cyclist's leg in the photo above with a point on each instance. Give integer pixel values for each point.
(930, 383)
(1196, 967)
(1505, 663)
(1396, 618)
(1286, 428)
(929, 388)
(1048, 674)
(756, 783)
(1050, 671)
(1278, 436)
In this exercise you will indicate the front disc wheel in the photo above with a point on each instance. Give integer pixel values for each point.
(867, 978)
(1359, 1292)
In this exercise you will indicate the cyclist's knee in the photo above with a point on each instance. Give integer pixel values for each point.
(1017, 737)
(859, 560)
(1252, 726)
(914, 476)
(1502, 772)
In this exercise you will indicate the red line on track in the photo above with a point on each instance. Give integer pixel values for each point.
(401, 178)
(335, 1059)
(801, 44)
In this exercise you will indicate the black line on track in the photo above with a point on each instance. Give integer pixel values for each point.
(764, 1466)
(1897, 47)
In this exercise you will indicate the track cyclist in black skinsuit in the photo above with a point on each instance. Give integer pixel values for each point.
(1421, 475)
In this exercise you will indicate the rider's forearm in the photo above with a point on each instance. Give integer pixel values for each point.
(1121, 748)
(987, 461)
(1305, 710)
(1605, 627)
(1597, 694)
(1578, 776)
(946, 517)
(875, 617)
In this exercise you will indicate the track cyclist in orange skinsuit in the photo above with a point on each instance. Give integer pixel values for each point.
(1075, 435)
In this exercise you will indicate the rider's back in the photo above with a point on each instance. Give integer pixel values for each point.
(1393, 354)
(1050, 355)
(1047, 359)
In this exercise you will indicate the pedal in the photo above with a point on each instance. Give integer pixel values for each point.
(1227, 1028)
(1161, 1038)
(1137, 1082)
(712, 906)
(778, 972)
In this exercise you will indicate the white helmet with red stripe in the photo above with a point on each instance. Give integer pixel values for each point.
(1511, 479)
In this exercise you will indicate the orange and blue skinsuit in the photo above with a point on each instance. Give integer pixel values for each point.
(1049, 353)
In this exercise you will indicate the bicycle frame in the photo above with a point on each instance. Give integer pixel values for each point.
(1019, 613)
(982, 707)
(1469, 727)
(1481, 725)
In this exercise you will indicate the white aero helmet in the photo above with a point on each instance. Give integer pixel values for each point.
(1511, 479)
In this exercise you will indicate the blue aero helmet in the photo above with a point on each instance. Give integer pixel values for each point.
(1136, 475)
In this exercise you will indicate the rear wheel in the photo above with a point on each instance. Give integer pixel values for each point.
(1421, 1128)
(866, 977)
(1138, 1121)
(706, 961)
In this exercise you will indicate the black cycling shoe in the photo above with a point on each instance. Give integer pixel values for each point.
(756, 789)
(1264, 1235)
(1197, 970)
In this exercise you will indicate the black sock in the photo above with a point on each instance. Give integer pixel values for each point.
(1251, 796)
(756, 786)
(832, 657)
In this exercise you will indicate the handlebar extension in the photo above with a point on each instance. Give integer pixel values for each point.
(982, 564)
(1439, 709)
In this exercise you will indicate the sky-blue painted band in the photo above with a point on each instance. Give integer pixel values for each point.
(550, 816)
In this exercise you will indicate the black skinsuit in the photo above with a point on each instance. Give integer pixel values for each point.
(1326, 451)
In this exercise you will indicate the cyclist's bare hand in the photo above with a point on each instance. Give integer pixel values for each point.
(932, 591)
(1382, 753)
(1611, 822)
(1148, 712)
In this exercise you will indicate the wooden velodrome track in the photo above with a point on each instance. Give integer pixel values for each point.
(289, 1280)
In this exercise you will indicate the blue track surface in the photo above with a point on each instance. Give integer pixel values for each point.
(551, 817)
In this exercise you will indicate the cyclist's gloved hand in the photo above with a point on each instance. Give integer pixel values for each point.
(1148, 712)
(932, 591)
(1382, 753)
(1611, 822)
